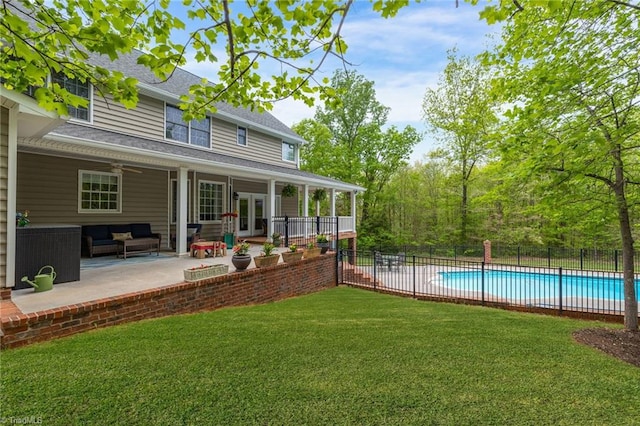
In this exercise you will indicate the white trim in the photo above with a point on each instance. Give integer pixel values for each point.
(12, 178)
(99, 211)
(123, 153)
(189, 200)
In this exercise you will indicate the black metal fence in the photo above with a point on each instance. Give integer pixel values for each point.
(593, 259)
(303, 230)
(523, 287)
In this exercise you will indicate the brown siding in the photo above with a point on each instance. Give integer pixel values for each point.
(260, 147)
(145, 120)
(4, 176)
(250, 187)
(48, 188)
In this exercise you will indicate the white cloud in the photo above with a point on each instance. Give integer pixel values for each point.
(403, 55)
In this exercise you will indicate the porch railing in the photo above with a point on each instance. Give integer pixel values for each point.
(302, 230)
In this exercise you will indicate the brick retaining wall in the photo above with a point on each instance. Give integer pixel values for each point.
(240, 288)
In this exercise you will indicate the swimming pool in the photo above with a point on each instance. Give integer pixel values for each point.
(533, 286)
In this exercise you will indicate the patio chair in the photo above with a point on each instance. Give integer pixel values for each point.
(398, 261)
(193, 234)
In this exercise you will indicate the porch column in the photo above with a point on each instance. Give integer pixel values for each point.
(271, 207)
(332, 202)
(353, 209)
(305, 210)
(181, 211)
(12, 182)
(305, 202)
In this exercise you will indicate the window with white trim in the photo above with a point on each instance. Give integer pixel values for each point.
(195, 132)
(242, 136)
(99, 192)
(174, 200)
(288, 152)
(78, 88)
(210, 200)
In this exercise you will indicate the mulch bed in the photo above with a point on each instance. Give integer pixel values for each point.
(621, 344)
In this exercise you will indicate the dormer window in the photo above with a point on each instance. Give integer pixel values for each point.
(195, 132)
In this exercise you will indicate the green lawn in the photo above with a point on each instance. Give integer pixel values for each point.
(342, 356)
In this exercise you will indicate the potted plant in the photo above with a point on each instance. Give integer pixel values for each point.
(293, 255)
(323, 242)
(275, 237)
(289, 190)
(241, 258)
(267, 256)
(205, 271)
(22, 219)
(319, 194)
(311, 251)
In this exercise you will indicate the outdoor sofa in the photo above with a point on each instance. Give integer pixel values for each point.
(99, 239)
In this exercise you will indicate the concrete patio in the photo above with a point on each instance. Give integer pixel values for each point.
(126, 276)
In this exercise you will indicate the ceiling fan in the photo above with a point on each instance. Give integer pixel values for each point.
(118, 168)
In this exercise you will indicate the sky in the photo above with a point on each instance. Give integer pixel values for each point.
(403, 55)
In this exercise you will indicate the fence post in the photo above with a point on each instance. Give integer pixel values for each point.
(455, 253)
(337, 251)
(414, 275)
(548, 257)
(286, 231)
(560, 289)
(317, 225)
(375, 269)
(518, 255)
(482, 284)
(615, 259)
(581, 259)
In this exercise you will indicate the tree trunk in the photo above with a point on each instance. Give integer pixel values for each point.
(463, 213)
(630, 300)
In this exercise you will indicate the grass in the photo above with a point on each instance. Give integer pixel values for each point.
(342, 356)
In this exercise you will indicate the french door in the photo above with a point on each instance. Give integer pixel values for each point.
(252, 209)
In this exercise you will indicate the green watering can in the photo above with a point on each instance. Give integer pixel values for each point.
(43, 282)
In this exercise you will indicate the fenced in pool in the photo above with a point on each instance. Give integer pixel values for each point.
(531, 288)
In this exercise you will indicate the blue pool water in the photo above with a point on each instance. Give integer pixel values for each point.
(521, 285)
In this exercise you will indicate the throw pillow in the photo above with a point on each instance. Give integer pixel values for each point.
(122, 236)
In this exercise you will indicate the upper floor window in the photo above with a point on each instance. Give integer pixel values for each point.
(195, 132)
(242, 136)
(210, 201)
(288, 152)
(78, 88)
(99, 192)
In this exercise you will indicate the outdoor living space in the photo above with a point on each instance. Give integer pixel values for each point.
(107, 276)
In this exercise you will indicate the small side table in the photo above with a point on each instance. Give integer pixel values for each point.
(216, 248)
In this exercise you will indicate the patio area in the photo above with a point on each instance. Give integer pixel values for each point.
(107, 276)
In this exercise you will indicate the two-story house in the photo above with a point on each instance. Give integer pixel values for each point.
(108, 164)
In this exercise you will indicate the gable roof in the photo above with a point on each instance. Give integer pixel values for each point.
(178, 84)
